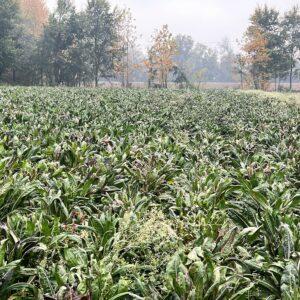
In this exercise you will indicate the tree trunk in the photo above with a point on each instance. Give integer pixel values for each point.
(256, 84)
(255, 79)
(123, 80)
(127, 67)
(96, 75)
(291, 77)
(242, 83)
(96, 66)
(14, 75)
(41, 76)
(123, 73)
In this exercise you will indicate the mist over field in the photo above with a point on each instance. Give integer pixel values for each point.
(207, 22)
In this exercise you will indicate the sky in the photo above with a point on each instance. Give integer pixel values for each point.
(207, 21)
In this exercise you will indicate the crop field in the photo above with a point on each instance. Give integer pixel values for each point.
(148, 194)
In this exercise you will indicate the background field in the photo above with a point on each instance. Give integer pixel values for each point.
(148, 194)
(204, 85)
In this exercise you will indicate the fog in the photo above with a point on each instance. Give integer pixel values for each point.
(206, 21)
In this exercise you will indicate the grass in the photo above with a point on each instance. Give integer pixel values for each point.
(148, 194)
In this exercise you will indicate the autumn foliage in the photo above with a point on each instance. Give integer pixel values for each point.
(160, 56)
(35, 13)
(257, 57)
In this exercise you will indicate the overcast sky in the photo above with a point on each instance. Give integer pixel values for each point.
(207, 21)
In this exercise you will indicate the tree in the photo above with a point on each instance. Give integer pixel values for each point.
(161, 56)
(184, 49)
(35, 14)
(180, 77)
(257, 57)
(8, 21)
(203, 64)
(101, 39)
(266, 21)
(291, 37)
(61, 45)
(24, 65)
(226, 64)
(240, 67)
(195, 61)
(199, 76)
(127, 38)
(181, 69)
(262, 46)
(138, 70)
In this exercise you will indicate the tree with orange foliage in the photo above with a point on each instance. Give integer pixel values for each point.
(35, 14)
(265, 47)
(257, 57)
(160, 56)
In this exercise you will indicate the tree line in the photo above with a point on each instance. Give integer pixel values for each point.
(100, 43)
(67, 47)
(271, 48)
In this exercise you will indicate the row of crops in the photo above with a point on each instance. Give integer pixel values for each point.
(137, 194)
